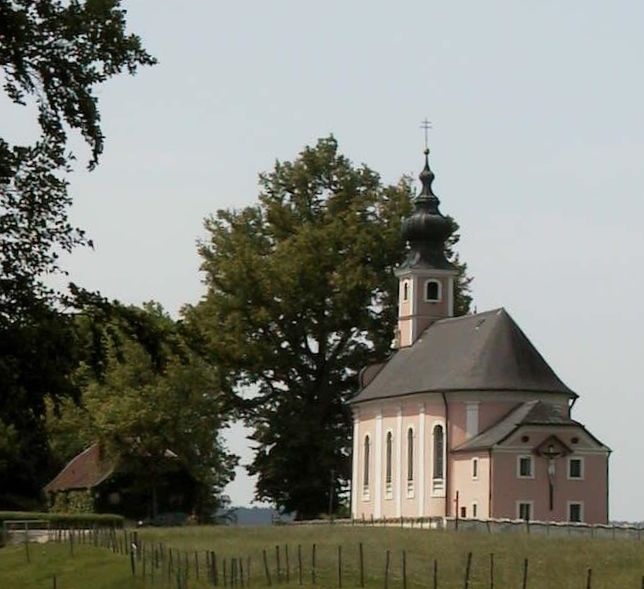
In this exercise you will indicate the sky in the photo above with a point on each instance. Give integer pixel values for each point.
(537, 145)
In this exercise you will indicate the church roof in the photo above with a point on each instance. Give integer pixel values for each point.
(530, 413)
(482, 352)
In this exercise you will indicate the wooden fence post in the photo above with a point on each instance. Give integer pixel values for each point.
(313, 564)
(492, 570)
(277, 564)
(589, 579)
(387, 570)
(299, 563)
(132, 564)
(435, 574)
(468, 569)
(340, 566)
(266, 570)
(525, 573)
(404, 569)
(361, 557)
(288, 566)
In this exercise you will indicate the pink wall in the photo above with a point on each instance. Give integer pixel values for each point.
(471, 490)
(400, 502)
(507, 488)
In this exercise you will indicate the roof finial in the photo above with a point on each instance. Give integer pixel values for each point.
(426, 126)
(426, 176)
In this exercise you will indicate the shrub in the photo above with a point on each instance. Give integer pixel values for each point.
(69, 519)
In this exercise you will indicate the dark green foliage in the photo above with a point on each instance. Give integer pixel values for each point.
(53, 56)
(144, 393)
(301, 295)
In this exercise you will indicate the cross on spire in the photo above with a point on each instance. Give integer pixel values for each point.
(426, 126)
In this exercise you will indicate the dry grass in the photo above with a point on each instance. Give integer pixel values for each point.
(553, 562)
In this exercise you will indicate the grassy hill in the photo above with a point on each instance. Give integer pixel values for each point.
(552, 562)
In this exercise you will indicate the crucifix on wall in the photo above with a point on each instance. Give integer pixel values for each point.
(551, 449)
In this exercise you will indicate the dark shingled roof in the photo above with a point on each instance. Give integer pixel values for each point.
(530, 413)
(86, 470)
(482, 352)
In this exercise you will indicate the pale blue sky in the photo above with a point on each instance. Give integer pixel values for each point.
(537, 146)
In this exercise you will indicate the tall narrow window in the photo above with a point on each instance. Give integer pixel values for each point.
(389, 445)
(405, 291)
(367, 452)
(410, 454)
(439, 448)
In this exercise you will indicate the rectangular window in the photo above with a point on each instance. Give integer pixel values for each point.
(575, 468)
(525, 510)
(525, 466)
(463, 512)
(475, 468)
(575, 512)
(475, 510)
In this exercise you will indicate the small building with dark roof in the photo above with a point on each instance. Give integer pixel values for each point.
(466, 418)
(94, 481)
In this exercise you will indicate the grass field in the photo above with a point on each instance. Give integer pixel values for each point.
(559, 563)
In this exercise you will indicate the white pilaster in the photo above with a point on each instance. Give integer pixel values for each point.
(377, 482)
(450, 296)
(399, 478)
(471, 419)
(413, 327)
(355, 482)
(420, 485)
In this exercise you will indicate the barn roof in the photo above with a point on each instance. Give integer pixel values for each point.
(481, 352)
(85, 471)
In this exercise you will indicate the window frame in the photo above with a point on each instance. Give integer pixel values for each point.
(530, 505)
(439, 290)
(366, 466)
(389, 464)
(521, 457)
(582, 468)
(569, 505)
(438, 483)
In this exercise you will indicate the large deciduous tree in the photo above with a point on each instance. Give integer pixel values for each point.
(301, 295)
(53, 55)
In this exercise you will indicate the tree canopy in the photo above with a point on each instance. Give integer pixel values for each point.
(301, 295)
(147, 400)
(54, 54)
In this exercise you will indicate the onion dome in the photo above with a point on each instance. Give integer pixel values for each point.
(427, 229)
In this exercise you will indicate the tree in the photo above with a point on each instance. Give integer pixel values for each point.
(148, 400)
(301, 295)
(53, 54)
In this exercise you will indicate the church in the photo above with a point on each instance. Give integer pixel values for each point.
(466, 418)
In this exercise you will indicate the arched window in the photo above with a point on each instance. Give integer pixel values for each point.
(410, 454)
(433, 291)
(405, 291)
(367, 448)
(389, 449)
(439, 448)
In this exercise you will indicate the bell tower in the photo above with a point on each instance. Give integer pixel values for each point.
(426, 277)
